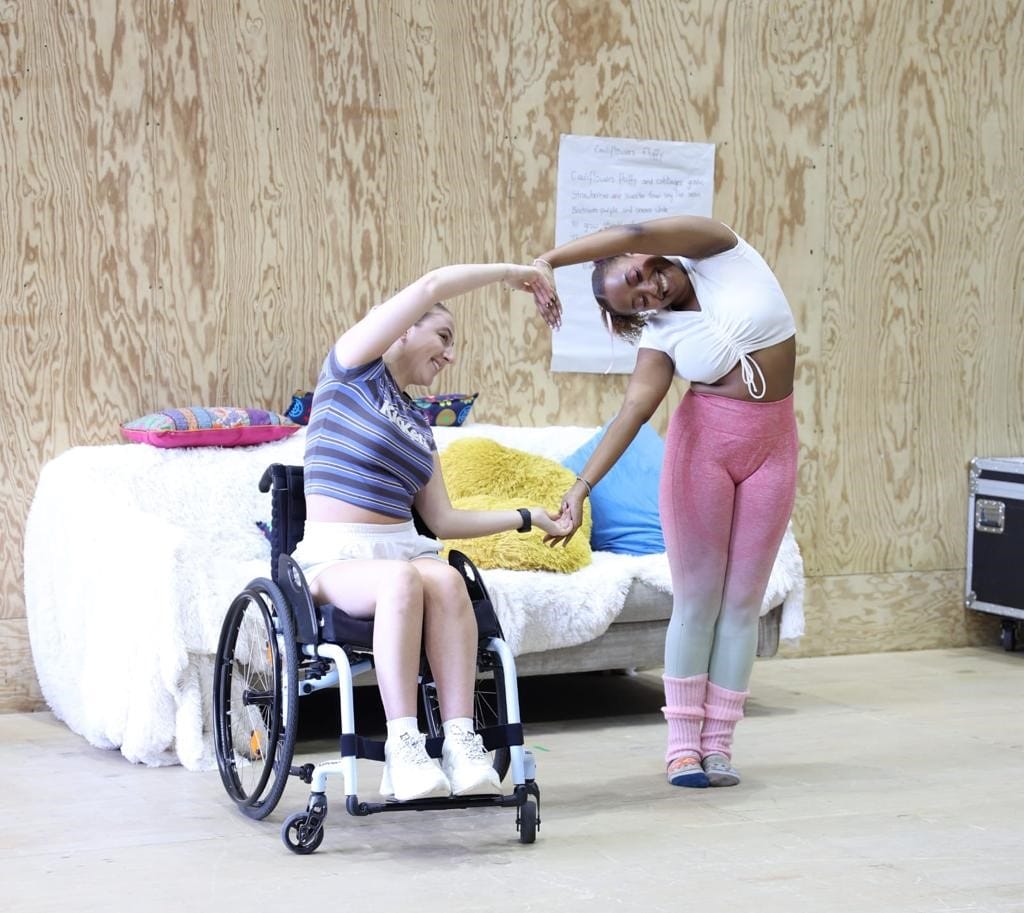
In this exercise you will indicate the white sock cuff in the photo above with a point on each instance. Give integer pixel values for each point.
(402, 724)
(458, 722)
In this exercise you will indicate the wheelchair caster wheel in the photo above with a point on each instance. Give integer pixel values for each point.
(1008, 636)
(301, 835)
(527, 822)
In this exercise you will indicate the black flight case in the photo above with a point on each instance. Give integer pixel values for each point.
(995, 541)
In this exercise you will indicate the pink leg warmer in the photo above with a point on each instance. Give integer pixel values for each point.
(684, 712)
(722, 710)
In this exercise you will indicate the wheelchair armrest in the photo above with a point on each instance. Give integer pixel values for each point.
(293, 584)
(487, 623)
(469, 572)
(486, 618)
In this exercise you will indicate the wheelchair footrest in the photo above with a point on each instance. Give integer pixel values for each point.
(513, 800)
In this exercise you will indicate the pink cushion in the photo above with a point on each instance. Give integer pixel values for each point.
(212, 426)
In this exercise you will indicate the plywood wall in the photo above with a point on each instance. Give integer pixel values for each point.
(197, 197)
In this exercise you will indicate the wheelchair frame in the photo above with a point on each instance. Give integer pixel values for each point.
(276, 646)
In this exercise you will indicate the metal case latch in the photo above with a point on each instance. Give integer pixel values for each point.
(989, 516)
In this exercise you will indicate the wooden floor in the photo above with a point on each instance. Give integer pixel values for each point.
(884, 782)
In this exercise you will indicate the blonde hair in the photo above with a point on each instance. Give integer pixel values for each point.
(436, 306)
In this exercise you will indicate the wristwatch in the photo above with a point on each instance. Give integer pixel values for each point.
(524, 512)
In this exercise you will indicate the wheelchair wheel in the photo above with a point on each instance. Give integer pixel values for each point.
(301, 835)
(255, 698)
(527, 822)
(489, 709)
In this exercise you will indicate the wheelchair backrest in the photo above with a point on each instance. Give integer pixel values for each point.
(287, 510)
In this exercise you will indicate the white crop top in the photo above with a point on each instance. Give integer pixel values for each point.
(742, 309)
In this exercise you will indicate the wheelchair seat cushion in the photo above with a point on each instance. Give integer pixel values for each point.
(341, 628)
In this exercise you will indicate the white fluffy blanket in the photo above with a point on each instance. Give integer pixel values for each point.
(132, 555)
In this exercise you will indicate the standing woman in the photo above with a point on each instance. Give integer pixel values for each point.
(716, 316)
(370, 458)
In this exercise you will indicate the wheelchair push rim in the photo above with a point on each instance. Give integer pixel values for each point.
(255, 698)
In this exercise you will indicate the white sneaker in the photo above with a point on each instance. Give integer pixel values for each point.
(467, 766)
(409, 772)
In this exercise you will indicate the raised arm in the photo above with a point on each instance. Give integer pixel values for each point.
(684, 236)
(372, 335)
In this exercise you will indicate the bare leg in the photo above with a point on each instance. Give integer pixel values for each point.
(392, 593)
(450, 636)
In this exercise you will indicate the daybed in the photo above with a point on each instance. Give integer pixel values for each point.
(133, 553)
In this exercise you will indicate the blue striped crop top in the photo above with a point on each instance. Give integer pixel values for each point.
(366, 443)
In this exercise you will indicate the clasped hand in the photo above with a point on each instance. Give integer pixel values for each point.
(568, 521)
(538, 279)
(554, 526)
(545, 295)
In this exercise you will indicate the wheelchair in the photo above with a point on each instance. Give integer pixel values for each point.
(276, 646)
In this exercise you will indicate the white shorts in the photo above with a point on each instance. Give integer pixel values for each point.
(325, 543)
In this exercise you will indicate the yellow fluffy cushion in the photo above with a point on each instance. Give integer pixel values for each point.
(484, 475)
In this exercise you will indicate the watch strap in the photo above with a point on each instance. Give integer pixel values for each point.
(527, 525)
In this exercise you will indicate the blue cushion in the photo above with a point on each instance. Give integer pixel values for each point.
(624, 506)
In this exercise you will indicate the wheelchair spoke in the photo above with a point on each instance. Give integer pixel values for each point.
(254, 696)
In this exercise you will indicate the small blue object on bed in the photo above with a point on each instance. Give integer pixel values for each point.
(624, 506)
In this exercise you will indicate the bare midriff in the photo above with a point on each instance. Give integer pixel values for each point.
(777, 363)
(323, 509)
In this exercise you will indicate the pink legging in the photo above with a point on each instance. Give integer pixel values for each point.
(727, 490)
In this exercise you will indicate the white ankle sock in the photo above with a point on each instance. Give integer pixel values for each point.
(459, 722)
(402, 724)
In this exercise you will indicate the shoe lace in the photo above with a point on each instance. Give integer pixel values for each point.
(411, 749)
(469, 744)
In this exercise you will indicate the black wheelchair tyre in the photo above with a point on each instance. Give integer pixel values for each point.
(255, 698)
(528, 822)
(1008, 635)
(298, 837)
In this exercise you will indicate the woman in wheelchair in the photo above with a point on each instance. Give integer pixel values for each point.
(370, 458)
